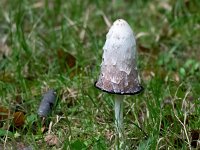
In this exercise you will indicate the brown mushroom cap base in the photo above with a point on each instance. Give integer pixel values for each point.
(112, 80)
(136, 90)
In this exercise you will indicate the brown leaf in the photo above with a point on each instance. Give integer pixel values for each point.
(18, 99)
(4, 113)
(19, 119)
(151, 52)
(66, 58)
(109, 135)
(67, 61)
(176, 77)
(71, 60)
(195, 137)
(22, 146)
(51, 140)
(147, 75)
(143, 49)
(7, 77)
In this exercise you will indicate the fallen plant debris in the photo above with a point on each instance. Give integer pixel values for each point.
(4, 113)
(19, 119)
(7, 77)
(58, 44)
(51, 139)
(7, 115)
(47, 102)
(195, 134)
(69, 95)
(66, 59)
(67, 63)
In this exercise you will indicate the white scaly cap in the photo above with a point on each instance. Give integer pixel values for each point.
(118, 69)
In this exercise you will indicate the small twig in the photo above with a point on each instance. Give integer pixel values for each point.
(58, 118)
(50, 126)
(8, 126)
(105, 18)
(6, 138)
(82, 34)
(72, 24)
(141, 34)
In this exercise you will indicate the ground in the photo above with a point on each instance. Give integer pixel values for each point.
(58, 45)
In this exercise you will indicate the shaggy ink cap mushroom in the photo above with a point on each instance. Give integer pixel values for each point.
(119, 74)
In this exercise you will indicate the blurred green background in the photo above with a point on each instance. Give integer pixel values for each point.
(57, 44)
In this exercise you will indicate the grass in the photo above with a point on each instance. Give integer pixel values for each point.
(36, 40)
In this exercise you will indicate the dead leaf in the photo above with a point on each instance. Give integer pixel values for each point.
(176, 77)
(151, 53)
(66, 60)
(109, 134)
(195, 137)
(51, 140)
(4, 113)
(18, 99)
(23, 146)
(19, 119)
(143, 49)
(7, 77)
(39, 4)
(147, 75)
(70, 60)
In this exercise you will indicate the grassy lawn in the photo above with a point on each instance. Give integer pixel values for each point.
(58, 45)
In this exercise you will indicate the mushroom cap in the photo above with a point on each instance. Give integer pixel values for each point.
(119, 73)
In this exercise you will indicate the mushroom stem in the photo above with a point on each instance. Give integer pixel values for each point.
(119, 120)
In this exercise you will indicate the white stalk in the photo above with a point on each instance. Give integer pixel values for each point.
(119, 120)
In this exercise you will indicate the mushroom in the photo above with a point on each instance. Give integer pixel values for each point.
(119, 73)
